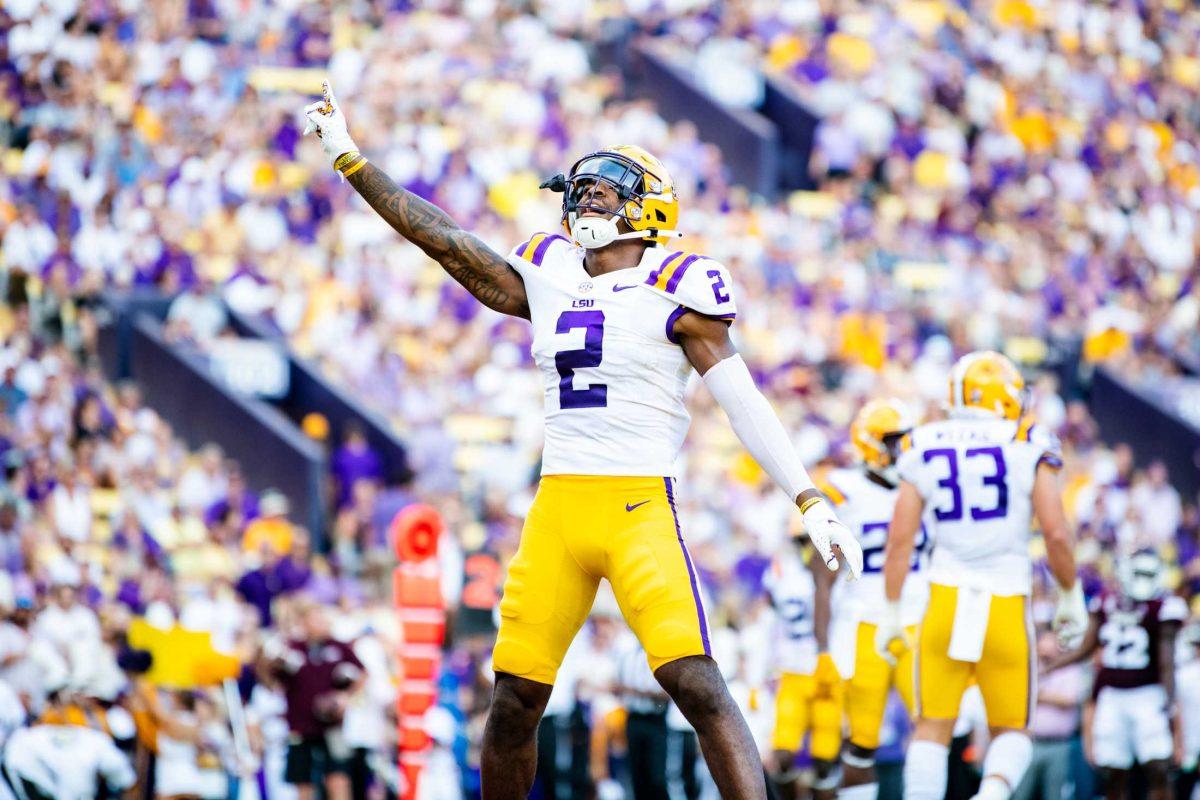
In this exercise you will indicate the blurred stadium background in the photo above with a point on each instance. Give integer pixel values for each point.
(222, 375)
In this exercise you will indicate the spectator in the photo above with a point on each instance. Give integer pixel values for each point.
(318, 674)
(271, 531)
(1158, 506)
(1055, 727)
(353, 462)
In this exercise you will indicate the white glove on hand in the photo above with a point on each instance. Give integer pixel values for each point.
(1070, 616)
(889, 630)
(826, 530)
(326, 119)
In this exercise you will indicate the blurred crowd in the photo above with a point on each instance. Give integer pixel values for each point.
(1006, 175)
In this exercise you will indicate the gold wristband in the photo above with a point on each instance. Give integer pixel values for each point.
(355, 167)
(809, 503)
(344, 159)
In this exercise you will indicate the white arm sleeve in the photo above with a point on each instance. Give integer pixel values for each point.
(756, 424)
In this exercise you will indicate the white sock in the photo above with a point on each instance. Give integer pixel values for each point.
(864, 791)
(925, 766)
(1004, 765)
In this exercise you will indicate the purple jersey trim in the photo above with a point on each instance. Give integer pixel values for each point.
(671, 320)
(677, 275)
(666, 262)
(1050, 460)
(691, 570)
(681, 310)
(540, 252)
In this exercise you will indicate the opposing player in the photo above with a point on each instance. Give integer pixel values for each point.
(619, 322)
(984, 473)
(808, 700)
(1134, 689)
(864, 498)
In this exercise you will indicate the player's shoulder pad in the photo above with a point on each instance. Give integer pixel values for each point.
(695, 282)
(535, 249)
(1041, 438)
(1174, 609)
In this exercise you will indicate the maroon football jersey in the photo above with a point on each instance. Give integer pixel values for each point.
(1130, 632)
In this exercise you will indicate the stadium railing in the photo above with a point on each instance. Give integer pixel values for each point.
(1155, 432)
(797, 126)
(178, 385)
(749, 142)
(308, 391)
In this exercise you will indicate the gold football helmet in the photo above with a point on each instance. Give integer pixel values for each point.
(988, 381)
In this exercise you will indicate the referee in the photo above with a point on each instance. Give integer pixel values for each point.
(646, 724)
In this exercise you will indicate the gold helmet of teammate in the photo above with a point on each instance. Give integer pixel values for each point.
(987, 381)
(648, 202)
(876, 433)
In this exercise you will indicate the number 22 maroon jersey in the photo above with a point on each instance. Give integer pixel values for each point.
(1130, 635)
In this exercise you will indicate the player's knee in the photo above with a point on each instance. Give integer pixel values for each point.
(696, 686)
(1157, 774)
(858, 764)
(517, 706)
(940, 731)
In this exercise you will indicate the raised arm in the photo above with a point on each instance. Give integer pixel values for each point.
(481, 270)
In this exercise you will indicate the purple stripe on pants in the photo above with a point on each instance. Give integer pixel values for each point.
(543, 246)
(677, 275)
(691, 570)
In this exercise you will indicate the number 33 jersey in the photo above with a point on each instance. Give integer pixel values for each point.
(976, 477)
(613, 372)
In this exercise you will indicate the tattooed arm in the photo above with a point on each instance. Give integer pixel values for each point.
(481, 270)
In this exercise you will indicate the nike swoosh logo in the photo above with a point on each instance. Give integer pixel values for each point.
(635, 505)
(623, 288)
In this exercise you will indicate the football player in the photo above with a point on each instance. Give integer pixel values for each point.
(619, 322)
(1134, 689)
(864, 498)
(808, 700)
(984, 473)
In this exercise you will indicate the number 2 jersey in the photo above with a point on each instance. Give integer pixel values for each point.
(1130, 634)
(865, 507)
(614, 374)
(976, 477)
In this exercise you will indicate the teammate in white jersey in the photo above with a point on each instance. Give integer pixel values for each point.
(808, 696)
(619, 322)
(864, 497)
(984, 473)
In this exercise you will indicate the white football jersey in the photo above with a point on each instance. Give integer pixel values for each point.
(976, 476)
(614, 376)
(865, 507)
(793, 594)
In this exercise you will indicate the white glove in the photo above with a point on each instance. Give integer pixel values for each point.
(326, 119)
(610, 790)
(888, 630)
(1070, 616)
(826, 530)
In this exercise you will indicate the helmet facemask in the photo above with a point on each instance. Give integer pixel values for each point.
(1141, 576)
(628, 179)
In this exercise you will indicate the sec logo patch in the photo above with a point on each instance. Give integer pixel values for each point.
(585, 287)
